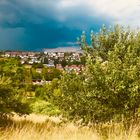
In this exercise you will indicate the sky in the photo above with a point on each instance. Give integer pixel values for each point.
(38, 24)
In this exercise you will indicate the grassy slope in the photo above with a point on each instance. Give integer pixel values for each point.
(35, 127)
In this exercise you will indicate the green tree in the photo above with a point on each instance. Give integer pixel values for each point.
(10, 100)
(63, 63)
(36, 75)
(109, 87)
(50, 73)
(37, 65)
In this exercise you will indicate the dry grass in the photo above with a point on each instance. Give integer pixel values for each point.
(35, 127)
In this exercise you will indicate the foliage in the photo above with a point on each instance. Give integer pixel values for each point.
(10, 100)
(51, 73)
(42, 107)
(64, 63)
(37, 65)
(35, 75)
(109, 87)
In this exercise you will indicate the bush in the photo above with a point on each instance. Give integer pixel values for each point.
(42, 107)
(10, 100)
(109, 87)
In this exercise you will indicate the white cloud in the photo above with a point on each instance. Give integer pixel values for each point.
(124, 12)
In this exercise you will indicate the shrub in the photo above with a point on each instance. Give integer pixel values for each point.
(42, 107)
(109, 87)
(10, 100)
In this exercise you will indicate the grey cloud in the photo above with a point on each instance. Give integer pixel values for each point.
(34, 24)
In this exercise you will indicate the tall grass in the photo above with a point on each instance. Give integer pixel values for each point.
(35, 127)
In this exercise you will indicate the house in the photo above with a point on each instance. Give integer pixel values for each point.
(31, 62)
(49, 65)
(7, 54)
(59, 67)
(22, 62)
(74, 68)
(31, 54)
(38, 82)
(60, 55)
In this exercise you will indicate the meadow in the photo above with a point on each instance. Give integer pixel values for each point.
(40, 127)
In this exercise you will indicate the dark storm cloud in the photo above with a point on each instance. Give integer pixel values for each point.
(34, 24)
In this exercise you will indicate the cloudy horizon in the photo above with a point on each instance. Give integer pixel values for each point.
(37, 24)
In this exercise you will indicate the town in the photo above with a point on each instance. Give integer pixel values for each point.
(52, 62)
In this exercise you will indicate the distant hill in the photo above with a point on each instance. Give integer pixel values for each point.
(63, 49)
